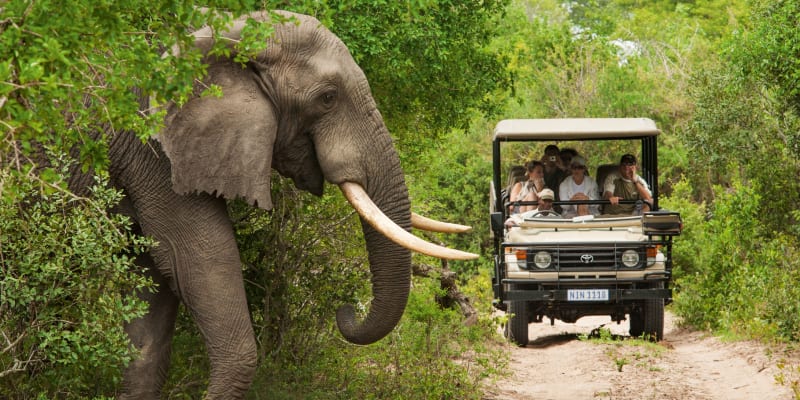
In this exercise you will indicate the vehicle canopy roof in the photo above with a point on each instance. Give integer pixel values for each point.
(574, 129)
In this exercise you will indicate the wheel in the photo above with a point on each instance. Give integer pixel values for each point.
(654, 319)
(545, 213)
(636, 323)
(517, 326)
(648, 318)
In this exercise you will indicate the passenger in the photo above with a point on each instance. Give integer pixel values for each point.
(578, 186)
(527, 190)
(625, 184)
(566, 156)
(553, 170)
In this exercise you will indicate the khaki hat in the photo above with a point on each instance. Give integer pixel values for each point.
(547, 194)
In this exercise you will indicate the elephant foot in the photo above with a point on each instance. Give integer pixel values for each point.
(232, 379)
(140, 395)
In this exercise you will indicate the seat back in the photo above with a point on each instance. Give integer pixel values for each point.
(516, 174)
(602, 173)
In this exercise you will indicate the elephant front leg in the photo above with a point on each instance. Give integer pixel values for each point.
(198, 254)
(152, 336)
(217, 301)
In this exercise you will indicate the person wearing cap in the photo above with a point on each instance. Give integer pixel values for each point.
(578, 186)
(545, 199)
(545, 203)
(625, 184)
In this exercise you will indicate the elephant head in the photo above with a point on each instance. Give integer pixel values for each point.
(304, 108)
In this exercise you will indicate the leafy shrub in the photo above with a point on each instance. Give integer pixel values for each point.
(451, 183)
(431, 354)
(732, 274)
(66, 289)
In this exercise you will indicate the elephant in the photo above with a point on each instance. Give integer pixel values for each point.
(302, 107)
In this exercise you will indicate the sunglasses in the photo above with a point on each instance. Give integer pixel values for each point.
(578, 166)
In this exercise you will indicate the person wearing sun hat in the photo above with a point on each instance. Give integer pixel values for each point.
(545, 199)
(625, 184)
(548, 196)
(576, 187)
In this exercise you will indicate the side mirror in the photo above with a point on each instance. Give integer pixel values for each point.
(662, 223)
(497, 223)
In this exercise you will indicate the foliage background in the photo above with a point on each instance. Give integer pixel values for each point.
(719, 78)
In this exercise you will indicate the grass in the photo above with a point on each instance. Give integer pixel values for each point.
(625, 350)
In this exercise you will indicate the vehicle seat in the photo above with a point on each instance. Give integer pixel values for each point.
(517, 173)
(602, 173)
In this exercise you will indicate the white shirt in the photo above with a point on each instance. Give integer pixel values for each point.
(569, 188)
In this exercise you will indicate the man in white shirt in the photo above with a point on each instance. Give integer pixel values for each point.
(578, 186)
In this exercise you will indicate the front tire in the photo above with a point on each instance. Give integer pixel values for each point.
(654, 319)
(647, 320)
(517, 326)
(636, 323)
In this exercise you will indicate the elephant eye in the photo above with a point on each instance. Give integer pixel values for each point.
(328, 98)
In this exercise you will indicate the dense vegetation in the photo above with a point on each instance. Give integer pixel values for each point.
(719, 77)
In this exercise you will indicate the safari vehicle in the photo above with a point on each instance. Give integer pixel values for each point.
(565, 269)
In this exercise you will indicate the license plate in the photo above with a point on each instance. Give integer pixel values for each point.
(587, 295)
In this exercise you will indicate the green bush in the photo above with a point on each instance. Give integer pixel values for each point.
(66, 289)
(732, 274)
(431, 354)
(451, 183)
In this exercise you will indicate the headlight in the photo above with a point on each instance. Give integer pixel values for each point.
(542, 259)
(630, 258)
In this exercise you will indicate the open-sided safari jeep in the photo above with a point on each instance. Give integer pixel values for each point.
(550, 266)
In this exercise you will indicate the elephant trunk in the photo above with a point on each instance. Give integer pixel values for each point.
(390, 263)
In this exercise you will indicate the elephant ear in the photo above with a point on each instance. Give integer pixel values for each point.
(223, 145)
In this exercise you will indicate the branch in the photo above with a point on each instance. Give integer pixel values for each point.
(10, 343)
(453, 296)
(18, 366)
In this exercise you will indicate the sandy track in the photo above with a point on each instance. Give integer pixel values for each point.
(686, 365)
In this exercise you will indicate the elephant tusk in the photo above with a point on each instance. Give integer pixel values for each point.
(367, 209)
(432, 225)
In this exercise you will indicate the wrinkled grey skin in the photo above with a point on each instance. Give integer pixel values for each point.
(302, 107)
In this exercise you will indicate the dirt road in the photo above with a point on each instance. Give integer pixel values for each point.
(686, 365)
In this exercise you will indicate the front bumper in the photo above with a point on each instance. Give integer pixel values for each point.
(614, 295)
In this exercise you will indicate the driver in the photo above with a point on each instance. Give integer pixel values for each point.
(545, 208)
(546, 198)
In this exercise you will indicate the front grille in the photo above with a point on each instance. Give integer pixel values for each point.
(587, 258)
